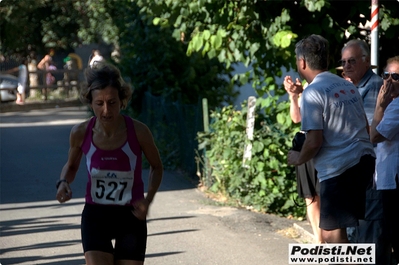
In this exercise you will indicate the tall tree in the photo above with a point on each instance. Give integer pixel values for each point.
(151, 58)
(42, 24)
(158, 63)
(262, 33)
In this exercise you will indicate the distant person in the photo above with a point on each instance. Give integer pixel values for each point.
(336, 139)
(113, 144)
(69, 66)
(50, 79)
(22, 80)
(116, 54)
(95, 58)
(308, 186)
(46, 78)
(385, 132)
(76, 59)
(45, 62)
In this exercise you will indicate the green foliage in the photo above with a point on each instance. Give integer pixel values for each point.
(234, 31)
(61, 24)
(265, 182)
(157, 63)
(262, 35)
(166, 80)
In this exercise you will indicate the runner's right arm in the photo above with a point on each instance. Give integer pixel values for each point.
(68, 173)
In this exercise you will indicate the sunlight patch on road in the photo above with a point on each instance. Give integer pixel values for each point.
(215, 211)
(49, 123)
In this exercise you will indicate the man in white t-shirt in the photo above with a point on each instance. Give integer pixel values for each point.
(336, 138)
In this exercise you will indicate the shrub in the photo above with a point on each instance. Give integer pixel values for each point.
(266, 183)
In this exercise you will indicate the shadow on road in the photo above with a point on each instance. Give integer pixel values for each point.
(29, 259)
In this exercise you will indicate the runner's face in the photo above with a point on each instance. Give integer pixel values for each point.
(106, 104)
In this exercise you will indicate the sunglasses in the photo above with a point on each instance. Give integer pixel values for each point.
(395, 76)
(351, 61)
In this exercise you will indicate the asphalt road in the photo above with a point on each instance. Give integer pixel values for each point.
(184, 227)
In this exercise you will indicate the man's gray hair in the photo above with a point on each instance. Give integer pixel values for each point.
(359, 43)
(314, 50)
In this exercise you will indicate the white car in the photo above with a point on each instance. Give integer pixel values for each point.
(8, 87)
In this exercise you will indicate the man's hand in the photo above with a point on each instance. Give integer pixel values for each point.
(291, 87)
(292, 158)
(385, 96)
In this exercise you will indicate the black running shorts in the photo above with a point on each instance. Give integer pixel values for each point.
(101, 224)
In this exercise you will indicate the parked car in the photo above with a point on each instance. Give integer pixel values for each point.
(8, 87)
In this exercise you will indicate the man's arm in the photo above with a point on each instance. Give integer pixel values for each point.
(293, 90)
(383, 100)
(311, 146)
(375, 136)
(12, 70)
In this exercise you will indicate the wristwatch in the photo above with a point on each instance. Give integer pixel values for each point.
(59, 183)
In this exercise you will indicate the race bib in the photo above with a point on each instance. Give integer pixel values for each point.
(111, 187)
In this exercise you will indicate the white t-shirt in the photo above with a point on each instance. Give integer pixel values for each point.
(334, 105)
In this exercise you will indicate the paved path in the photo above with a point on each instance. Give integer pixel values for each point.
(184, 226)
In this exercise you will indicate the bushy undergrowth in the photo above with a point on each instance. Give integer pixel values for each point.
(265, 183)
